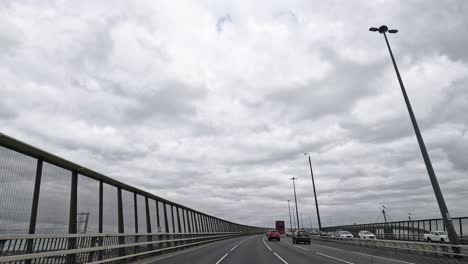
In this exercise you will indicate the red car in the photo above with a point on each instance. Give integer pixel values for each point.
(273, 235)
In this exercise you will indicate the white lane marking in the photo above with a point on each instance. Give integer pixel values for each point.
(234, 247)
(401, 261)
(266, 244)
(284, 261)
(334, 258)
(225, 255)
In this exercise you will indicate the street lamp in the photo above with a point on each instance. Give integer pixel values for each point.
(315, 193)
(453, 237)
(294, 220)
(295, 200)
(290, 219)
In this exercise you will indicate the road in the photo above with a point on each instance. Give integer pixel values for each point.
(257, 250)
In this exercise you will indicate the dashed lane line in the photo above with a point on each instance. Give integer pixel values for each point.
(344, 261)
(400, 261)
(232, 249)
(221, 259)
(278, 256)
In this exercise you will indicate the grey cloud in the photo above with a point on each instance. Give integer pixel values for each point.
(343, 86)
(144, 110)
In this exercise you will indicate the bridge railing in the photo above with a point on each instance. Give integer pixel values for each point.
(97, 248)
(42, 193)
(406, 230)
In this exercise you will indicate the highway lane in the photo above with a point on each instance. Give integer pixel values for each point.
(352, 254)
(209, 253)
(257, 249)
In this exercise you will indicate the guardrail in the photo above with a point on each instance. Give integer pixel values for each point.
(98, 248)
(423, 248)
(406, 230)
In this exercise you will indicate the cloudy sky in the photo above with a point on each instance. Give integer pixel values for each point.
(212, 104)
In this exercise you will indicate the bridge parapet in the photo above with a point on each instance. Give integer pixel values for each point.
(64, 206)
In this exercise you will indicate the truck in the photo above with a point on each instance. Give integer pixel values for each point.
(436, 236)
(280, 227)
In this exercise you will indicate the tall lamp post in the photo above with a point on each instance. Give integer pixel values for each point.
(294, 220)
(295, 200)
(315, 193)
(453, 237)
(290, 219)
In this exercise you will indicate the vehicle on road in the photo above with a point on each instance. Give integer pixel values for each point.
(280, 227)
(364, 234)
(274, 235)
(288, 234)
(437, 236)
(268, 232)
(301, 236)
(345, 234)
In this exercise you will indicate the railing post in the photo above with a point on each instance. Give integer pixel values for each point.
(179, 228)
(172, 217)
(188, 221)
(135, 211)
(120, 219)
(158, 222)
(101, 206)
(101, 216)
(461, 228)
(73, 214)
(34, 206)
(148, 222)
(184, 220)
(166, 222)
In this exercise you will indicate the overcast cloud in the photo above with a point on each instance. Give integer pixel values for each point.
(212, 104)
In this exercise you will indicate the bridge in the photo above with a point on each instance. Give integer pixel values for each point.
(55, 211)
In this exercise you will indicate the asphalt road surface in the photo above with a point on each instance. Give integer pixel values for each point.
(258, 250)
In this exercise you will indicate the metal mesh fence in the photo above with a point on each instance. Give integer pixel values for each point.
(88, 205)
(110, 213)
(17, 174)
(41, 193)
(128, 211)
(141, 214)
(154, 219)
(54, 200)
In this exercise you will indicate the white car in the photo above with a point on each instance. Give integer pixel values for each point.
(437, 236)
(345, 234)
(366, 235)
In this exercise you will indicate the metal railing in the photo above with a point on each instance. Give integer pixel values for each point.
(422, 248)
(97, 248)
(41, 193)
(405, 230)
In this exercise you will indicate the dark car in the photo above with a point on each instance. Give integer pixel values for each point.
(301, 236)
(273, 235)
